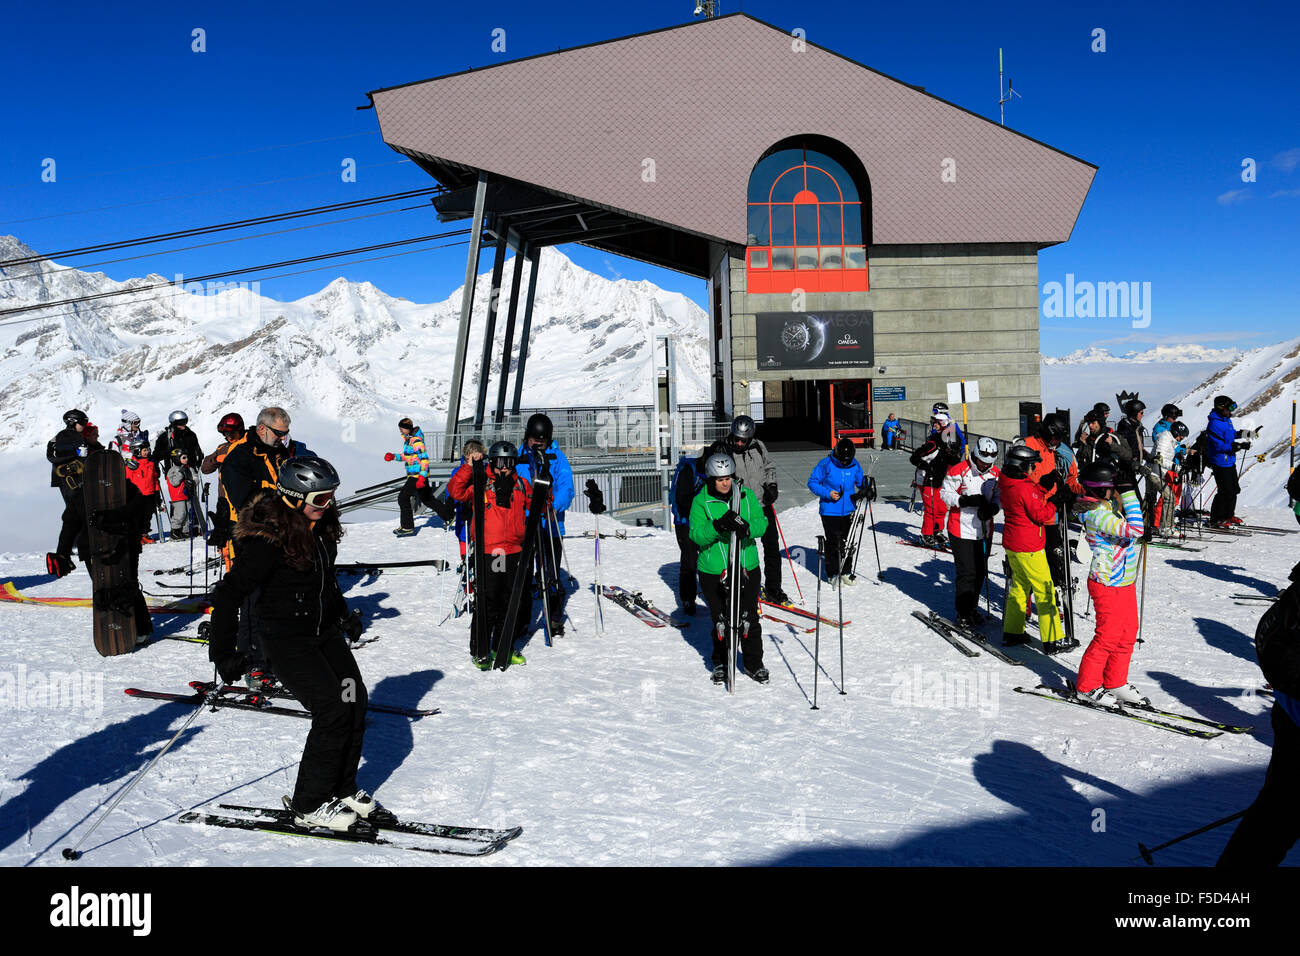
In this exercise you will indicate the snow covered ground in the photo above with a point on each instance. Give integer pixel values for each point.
(618, 750)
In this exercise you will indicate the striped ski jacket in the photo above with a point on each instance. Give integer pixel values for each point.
(1112, 536)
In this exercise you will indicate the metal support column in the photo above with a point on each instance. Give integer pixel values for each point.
(450, 440)
(668, 424)
(490, 329)
(516, 277)
(534, 255)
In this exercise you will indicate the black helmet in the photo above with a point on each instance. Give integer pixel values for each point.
(1223, 401)
(720, 465)
(845, 452)
(1098, 476)
(743, 429)
(310, 481)
(939, 407)
(1179, 430)
(502, 451)
(74, 417)
(1102, 411)
(1020, 459)
(231, 422)
(1053, 426)
(539, 426)
(1171, 411)
(1134, 407)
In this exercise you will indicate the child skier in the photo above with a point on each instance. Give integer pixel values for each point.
(727, 515)
(837, 480)
(1026, 512)
(182, 480)
(143, 473)
(1112, 519)
(970, 491)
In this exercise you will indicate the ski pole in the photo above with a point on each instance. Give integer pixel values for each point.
(1142, 596)
(600, 614)
(787, 554)
(817, 637)
(1147, 851)
(74, 852)
(880, 572)
(839, 590)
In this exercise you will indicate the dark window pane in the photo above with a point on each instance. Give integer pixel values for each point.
(766, 171)
(758, 226)
(853, 224)
(836, 172)
(831, 233)
(783, 225)
(788, 186)
(805, 224)
(822, 184)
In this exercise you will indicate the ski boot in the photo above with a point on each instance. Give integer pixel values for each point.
(515, 657)
(776, 596)
(719, 673)
(330, 815)
(404, 532)
(483, 663)
(259, 679)
(367, 807)
(1013, 640)
(1097, 696)
(689, 609)
(1128, 694)
(759, 674)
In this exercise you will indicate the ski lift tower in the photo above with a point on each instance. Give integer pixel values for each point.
(668, 430)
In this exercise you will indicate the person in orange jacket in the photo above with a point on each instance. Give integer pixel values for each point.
(1059, 477)
(504, 510)
(1026, 513)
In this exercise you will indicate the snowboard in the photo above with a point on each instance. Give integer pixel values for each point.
(109, 559)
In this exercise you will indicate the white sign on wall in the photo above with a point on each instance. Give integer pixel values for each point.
(972, 392)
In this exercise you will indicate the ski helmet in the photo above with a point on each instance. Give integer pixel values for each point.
(178, 417)
(1102, 411)
(138, 443)
(231, 422)
(986, 450)
(743, 429)
(177, 452)
(1134, 407)
(130, 418)
(939, 407)
(845, 452)
(1098, 476)
(1053, 427)
(1223, 401)
(1019, 461)
(307, 481)
(74, 417)
(1179, 430)
(1171, 411)
(941, 418)
(720, 465)
(502, 451)
(539, 426)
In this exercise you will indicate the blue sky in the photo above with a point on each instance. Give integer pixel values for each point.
(168, 139)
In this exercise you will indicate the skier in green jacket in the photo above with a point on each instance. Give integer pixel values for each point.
(723, 512)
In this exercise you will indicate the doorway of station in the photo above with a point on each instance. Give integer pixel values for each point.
(814, 413)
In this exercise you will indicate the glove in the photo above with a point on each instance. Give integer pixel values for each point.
(390, 457)
(970, 501)
(595, 497)
(731, 522)
(231, 667)
(421, 482)
(769, 493)
(987, 510)
(1240, 445)
(1049, 481)
(112, 521)
(351, 625)
(220, 530)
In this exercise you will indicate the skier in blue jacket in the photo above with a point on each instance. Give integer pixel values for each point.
(838, 481)
(1222, 446)
(539, 442)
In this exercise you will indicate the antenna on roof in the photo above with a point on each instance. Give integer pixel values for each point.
(706, 8)
(1004, 98)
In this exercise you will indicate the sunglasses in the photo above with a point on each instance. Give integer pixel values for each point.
(275, 431)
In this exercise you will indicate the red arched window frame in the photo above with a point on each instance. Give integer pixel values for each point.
(817, 259)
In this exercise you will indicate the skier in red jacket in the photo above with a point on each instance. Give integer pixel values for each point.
(504, 509)
(1025, 513)
(143, 473)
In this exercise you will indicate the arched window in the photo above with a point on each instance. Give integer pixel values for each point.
(806, 220)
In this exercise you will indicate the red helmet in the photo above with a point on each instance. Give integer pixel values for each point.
(231, 422)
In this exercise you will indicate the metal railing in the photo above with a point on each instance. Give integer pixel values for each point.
(914, 434)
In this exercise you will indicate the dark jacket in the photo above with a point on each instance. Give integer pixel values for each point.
(291, 604)
(1133, 433)
(184, 439)
(935, 457)
(252, 466)
(60, 450)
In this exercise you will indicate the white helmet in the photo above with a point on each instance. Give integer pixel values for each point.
(941, 418)
(986, 450)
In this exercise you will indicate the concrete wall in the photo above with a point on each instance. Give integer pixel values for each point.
(942, 313)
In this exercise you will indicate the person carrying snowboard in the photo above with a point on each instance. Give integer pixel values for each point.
(717, 527)
(838, 483)
(1112, 520)
(1026, 514)
(970, 491)
(67, 452)
(504, 511)
(287, 542)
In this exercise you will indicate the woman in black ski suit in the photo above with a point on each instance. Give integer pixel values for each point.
(287, 545)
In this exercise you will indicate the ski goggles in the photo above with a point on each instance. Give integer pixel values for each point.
(503, 464)
(319, 499)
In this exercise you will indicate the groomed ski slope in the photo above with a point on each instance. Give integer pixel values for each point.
(618, 750)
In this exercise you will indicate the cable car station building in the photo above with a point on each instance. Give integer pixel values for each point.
(863, 242)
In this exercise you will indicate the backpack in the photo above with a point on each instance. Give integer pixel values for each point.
(1277, 640)
(687, 464)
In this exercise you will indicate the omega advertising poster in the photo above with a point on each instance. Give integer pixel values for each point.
(803, 340)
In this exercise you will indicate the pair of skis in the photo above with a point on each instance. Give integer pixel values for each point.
(958, 636)
(639, 606)
(432, 837)
(237, 697)
(1149, 715)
